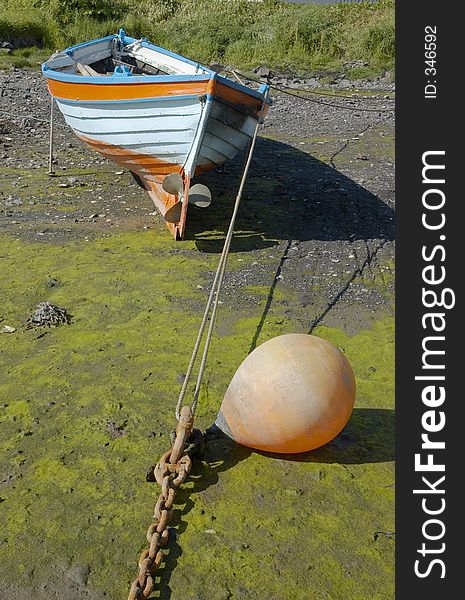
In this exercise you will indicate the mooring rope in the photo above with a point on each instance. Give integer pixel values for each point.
(215, 289)
(287, 90)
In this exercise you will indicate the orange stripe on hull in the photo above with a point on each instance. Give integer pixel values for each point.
(241, 99)
(142, 165)
(126, 91)
(147, 166)
(131, 159)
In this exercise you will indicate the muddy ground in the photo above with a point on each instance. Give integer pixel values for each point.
(88, 407)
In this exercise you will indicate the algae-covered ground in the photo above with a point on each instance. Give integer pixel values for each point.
(87, 408)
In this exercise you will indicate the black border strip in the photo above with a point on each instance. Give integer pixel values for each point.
(429, 124)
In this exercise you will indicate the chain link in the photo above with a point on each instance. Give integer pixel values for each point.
(170, 472)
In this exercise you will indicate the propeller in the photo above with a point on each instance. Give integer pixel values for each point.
(199, 195)
(173, 184)
(173, 214)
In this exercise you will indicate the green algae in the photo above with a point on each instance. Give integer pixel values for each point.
(381, 277)
(373, 365)
(87, 408)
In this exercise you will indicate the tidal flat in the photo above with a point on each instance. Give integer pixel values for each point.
(87, 407)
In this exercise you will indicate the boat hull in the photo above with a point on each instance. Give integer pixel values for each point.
(155, 126)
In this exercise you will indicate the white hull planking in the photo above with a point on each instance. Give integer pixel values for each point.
(228, 131)
(163, 128)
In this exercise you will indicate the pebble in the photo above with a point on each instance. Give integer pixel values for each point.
(263, 72)
(8, 329)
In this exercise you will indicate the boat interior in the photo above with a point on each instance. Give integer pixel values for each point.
(109, 57)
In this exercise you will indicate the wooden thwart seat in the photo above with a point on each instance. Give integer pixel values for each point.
(86, 70)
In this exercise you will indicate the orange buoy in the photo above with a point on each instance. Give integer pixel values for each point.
(293, 393)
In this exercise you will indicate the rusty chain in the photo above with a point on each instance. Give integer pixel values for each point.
(170, 472)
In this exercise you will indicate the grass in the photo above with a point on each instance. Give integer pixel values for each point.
(297, 38)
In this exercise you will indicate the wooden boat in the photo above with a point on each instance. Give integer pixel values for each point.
(160, 115)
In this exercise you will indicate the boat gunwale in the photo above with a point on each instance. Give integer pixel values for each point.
(207, 75)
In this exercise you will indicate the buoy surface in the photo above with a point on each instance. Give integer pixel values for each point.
(292, 394)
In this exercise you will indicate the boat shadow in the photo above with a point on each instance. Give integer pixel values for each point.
(368, 437)
(289, 194)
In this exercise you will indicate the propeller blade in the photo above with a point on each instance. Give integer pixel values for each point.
(200, 195)
(173, 184)
(173, 214)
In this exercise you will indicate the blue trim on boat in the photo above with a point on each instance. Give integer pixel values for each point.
(128, 101)
(71, 78)
(132, 100)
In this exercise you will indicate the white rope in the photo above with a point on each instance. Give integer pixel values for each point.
(215, 291)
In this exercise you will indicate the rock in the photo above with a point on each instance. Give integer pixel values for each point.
(216, 67)
(52, 282)
(49, 315)
(8, 329)
(263, 72)
(313, 82)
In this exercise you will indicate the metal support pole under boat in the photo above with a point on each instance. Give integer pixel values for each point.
(50, 156)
